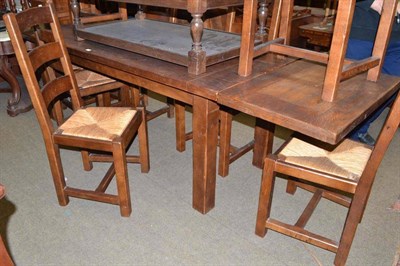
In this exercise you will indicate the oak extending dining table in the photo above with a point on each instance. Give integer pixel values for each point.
(279, 91)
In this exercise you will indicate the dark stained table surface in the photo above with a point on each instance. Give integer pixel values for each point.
(291, 97)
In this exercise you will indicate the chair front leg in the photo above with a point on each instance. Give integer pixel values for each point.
(121, 173)
(355, 213)
(265, 199)
(143, 144)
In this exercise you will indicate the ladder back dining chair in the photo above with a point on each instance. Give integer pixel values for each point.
(103, 134)
(343, 174)
(338, 68)
(278, 44)
(94, 87)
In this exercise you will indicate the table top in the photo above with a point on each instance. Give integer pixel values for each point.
(288, 96)
(291, 97)
(92, 54)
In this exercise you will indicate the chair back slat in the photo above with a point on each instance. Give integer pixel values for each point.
(35, 64)
(46, 36)
(34, 17)
(45, 53)
(55, 88)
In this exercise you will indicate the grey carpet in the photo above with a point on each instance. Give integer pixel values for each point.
(163, 228)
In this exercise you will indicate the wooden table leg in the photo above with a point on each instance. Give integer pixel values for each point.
(263, 140)
(205, 139)
(19, 101)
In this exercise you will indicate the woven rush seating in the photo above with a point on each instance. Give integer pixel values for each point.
(87, 79)
(335, 162)
(91, 83)
(97, 123)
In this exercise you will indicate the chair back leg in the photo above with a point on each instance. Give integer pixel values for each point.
(382, 37)
(53, 154)
(344, 18)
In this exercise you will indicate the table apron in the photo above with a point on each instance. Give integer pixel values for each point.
(130, 78)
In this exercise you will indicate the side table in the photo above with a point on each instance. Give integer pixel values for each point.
(20, 101)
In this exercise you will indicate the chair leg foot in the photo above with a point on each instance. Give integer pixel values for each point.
(63, 201)
(125, 211)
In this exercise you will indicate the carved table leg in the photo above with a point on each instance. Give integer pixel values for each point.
(76, 18)
(262, 20)
(140, 13)
(197, 56)
(19, 102)
(76, 13)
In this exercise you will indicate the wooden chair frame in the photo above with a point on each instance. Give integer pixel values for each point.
(103, 93)
(338, 68)
(44, 98)
(352, 194)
